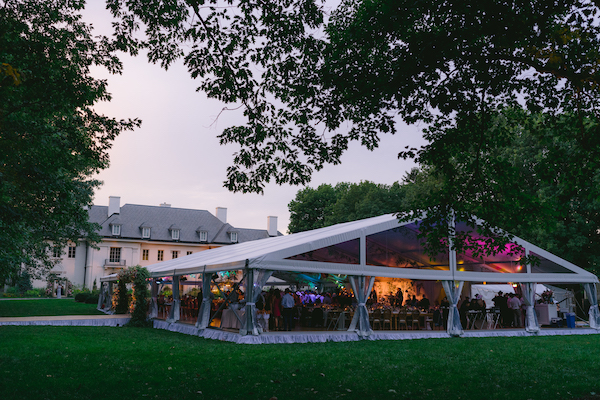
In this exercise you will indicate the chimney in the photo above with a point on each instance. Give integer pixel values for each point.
(165, 204)
(114, 205)
(221, 213)
(272, 226)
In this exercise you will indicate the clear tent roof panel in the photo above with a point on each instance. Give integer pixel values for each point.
(379, 246)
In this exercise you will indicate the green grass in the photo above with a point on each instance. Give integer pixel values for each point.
(45, 307)
(133, 363)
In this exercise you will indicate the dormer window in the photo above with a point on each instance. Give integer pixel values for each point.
(203, 236)
(115, 229)
(174, 232)
(145, 233)
(234, 237)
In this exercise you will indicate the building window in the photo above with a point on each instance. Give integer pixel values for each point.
(115, 254)
(145, 254)
(175, 254)
(71, 253)
(204, 236)
(145, 233)
(161, 255)
(56, 252)
(189, 252)
(116, 230)
(234, 237)
(175, 234)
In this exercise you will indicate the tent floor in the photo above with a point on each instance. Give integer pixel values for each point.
(321, 336)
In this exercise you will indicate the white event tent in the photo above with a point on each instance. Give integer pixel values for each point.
(374, 247)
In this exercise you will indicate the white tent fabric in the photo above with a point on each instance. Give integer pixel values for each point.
(360, 321)
(253, 291)
(204, 313)
(531, 321)
(594, 312)
(175, 312)
(453, 290)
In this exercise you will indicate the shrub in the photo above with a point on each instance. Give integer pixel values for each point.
(12, 290)
(139, 316)
(82, 296)
(35, 293)
(92, 299)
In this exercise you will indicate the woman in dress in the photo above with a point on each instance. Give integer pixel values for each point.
(276, 309)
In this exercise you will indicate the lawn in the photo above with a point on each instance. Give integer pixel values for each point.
(45, 307)
(100, 362)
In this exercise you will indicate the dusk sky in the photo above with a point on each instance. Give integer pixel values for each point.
(175, 156)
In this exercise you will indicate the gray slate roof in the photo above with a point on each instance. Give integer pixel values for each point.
(133, 217)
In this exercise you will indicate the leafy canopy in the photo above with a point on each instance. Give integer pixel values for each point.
(480, 76)
(51, 139)
(329, 205)
(300, 77)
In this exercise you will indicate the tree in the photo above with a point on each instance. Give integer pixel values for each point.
(311, 207)
(329, 205)
(261, 57)
(457, 68)
(300, 77)
(535, 176)
(51, 139)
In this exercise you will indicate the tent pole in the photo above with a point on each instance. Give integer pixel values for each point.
(206, 305)
(174, 314)
(248, 328)
(531, 321)
(453, 289)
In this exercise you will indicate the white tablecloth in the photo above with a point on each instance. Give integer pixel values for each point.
(228, 319)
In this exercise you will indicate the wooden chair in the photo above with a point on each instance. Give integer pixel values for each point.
(401, 320)
(416, 320)
(387, 318)
(377, 317)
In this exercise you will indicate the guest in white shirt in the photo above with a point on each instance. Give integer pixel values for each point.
(287, 305)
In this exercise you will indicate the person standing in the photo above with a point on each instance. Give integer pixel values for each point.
(287, 305)
(515, 305)
(399, 298)
(276, 307)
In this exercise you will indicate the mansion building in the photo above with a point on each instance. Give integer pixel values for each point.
(143, 235)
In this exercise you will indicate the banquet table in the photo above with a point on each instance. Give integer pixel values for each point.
(229, 320)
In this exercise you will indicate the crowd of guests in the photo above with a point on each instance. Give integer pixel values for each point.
(281, 311)
(510, 306)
